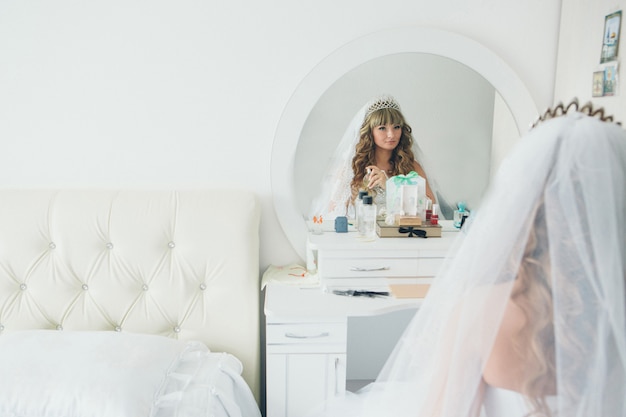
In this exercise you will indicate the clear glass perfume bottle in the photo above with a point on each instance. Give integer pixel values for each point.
(378, 193)
(368, 216)
(358, 204)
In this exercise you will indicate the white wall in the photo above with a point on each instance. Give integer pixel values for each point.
(188, 93)
(579, 53)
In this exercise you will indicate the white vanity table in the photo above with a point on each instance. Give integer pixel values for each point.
(307, 328)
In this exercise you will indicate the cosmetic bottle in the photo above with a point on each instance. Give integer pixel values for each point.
(358, 204)
(429, 208)
(380, 199)
(368, 218)
(434, 217)
(421, 205)
(459, 214)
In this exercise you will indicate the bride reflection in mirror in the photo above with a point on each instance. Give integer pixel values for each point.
(377, 145)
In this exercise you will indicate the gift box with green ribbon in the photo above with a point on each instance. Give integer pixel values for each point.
(406, 194)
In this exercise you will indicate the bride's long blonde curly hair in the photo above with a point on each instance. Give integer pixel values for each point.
(534, 296)
(402, 157)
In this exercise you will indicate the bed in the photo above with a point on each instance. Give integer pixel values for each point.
(129, 303)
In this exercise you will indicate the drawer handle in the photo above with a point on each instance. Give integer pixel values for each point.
(299, 336)
(357, 269)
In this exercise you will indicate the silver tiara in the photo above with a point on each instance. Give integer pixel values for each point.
(561, 109)
(382, 102)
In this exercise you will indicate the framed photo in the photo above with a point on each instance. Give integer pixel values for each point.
(610, 37)
(610, 80)
(597, 89)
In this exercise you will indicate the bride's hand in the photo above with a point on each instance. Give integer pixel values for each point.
(377, 177)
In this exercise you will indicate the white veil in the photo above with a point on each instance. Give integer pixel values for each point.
(335, 194)
(572, 170)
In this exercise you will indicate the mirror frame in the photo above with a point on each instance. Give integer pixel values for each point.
(410, 39)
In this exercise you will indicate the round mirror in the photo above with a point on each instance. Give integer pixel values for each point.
(465, 105)
(449, 106)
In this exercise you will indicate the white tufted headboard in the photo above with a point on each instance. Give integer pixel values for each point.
(183, 264)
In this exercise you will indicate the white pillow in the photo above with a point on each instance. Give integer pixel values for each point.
(82, 374)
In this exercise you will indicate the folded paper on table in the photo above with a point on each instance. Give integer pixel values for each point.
(292, 274)
(409, 290)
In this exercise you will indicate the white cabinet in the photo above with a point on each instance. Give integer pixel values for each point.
(294, 395)
(305, 365)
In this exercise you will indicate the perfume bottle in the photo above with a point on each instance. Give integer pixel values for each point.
(378, 193)
(429, 208)
(368, 218)
(434, 217)
(358, 204)
(459, 214)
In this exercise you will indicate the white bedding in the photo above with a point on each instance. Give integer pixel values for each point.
(50, 373)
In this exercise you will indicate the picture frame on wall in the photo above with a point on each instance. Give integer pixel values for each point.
(610, 37)
(598, 84)
(610, 80)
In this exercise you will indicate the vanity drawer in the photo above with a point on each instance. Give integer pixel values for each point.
(367, 267)
(306, 333)
(330, 267)
(429, 267)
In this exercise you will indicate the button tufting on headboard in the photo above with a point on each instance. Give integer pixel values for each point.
(105, 260)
